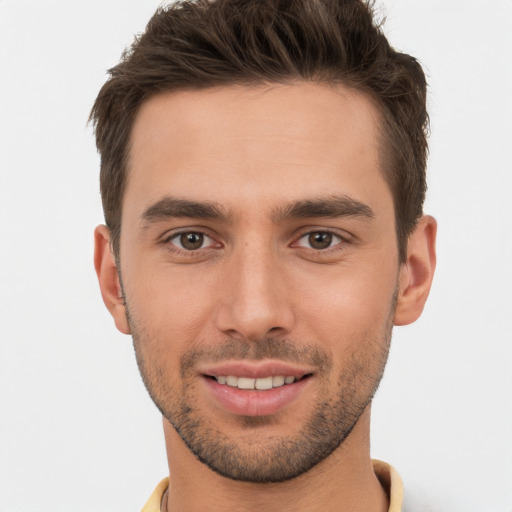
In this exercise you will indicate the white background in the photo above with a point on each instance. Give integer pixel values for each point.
(77, 430)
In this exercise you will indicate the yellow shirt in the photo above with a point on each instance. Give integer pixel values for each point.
(387, 475)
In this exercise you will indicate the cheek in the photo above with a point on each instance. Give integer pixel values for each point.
(349, 307)
(170, 303)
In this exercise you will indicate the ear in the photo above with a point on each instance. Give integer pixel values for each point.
(417, 272)
(108, 277)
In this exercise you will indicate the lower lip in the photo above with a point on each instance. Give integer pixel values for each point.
(251, 402)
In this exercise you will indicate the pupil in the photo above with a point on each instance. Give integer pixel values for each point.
(191, 240)
(320, 240)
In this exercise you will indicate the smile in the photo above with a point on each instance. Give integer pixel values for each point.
(256, 396)
(262, 383)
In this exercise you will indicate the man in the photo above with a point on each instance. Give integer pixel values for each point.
(263, 176)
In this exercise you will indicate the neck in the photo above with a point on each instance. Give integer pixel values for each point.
(345, 481)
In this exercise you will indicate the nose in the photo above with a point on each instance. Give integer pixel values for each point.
(254, 300)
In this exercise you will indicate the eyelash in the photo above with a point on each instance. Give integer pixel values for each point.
(336, 237)
(188, 252)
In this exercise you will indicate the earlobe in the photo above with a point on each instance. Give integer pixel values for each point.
(417, 272)
(108, 277)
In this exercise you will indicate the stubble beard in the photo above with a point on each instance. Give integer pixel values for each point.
(257, 457)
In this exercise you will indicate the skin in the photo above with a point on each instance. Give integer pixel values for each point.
(260, 282)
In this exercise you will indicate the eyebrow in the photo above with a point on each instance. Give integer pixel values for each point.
(331, 207)
(170, 207)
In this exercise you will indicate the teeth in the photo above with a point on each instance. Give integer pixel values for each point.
(245, 383)
(265, 383)
(261, 383)
(278, 381)
(232, 381)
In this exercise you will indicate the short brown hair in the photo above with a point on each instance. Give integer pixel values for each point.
(192, 45)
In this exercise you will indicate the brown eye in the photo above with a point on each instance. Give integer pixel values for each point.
(320, 240)
(191, 241)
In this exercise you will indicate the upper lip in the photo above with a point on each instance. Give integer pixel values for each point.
(255, 369)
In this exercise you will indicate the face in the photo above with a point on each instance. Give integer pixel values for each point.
(260, 269)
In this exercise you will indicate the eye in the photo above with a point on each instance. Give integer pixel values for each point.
(319, 240)
(190, 241)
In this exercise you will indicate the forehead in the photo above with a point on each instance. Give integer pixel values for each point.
(264, 141)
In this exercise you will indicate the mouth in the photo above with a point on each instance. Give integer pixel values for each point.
(256, 388)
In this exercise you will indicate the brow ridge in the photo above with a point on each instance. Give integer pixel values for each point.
(326, 207)
(330, 207)
(171, 207)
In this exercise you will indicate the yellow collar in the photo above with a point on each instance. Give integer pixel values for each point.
(387, 475)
